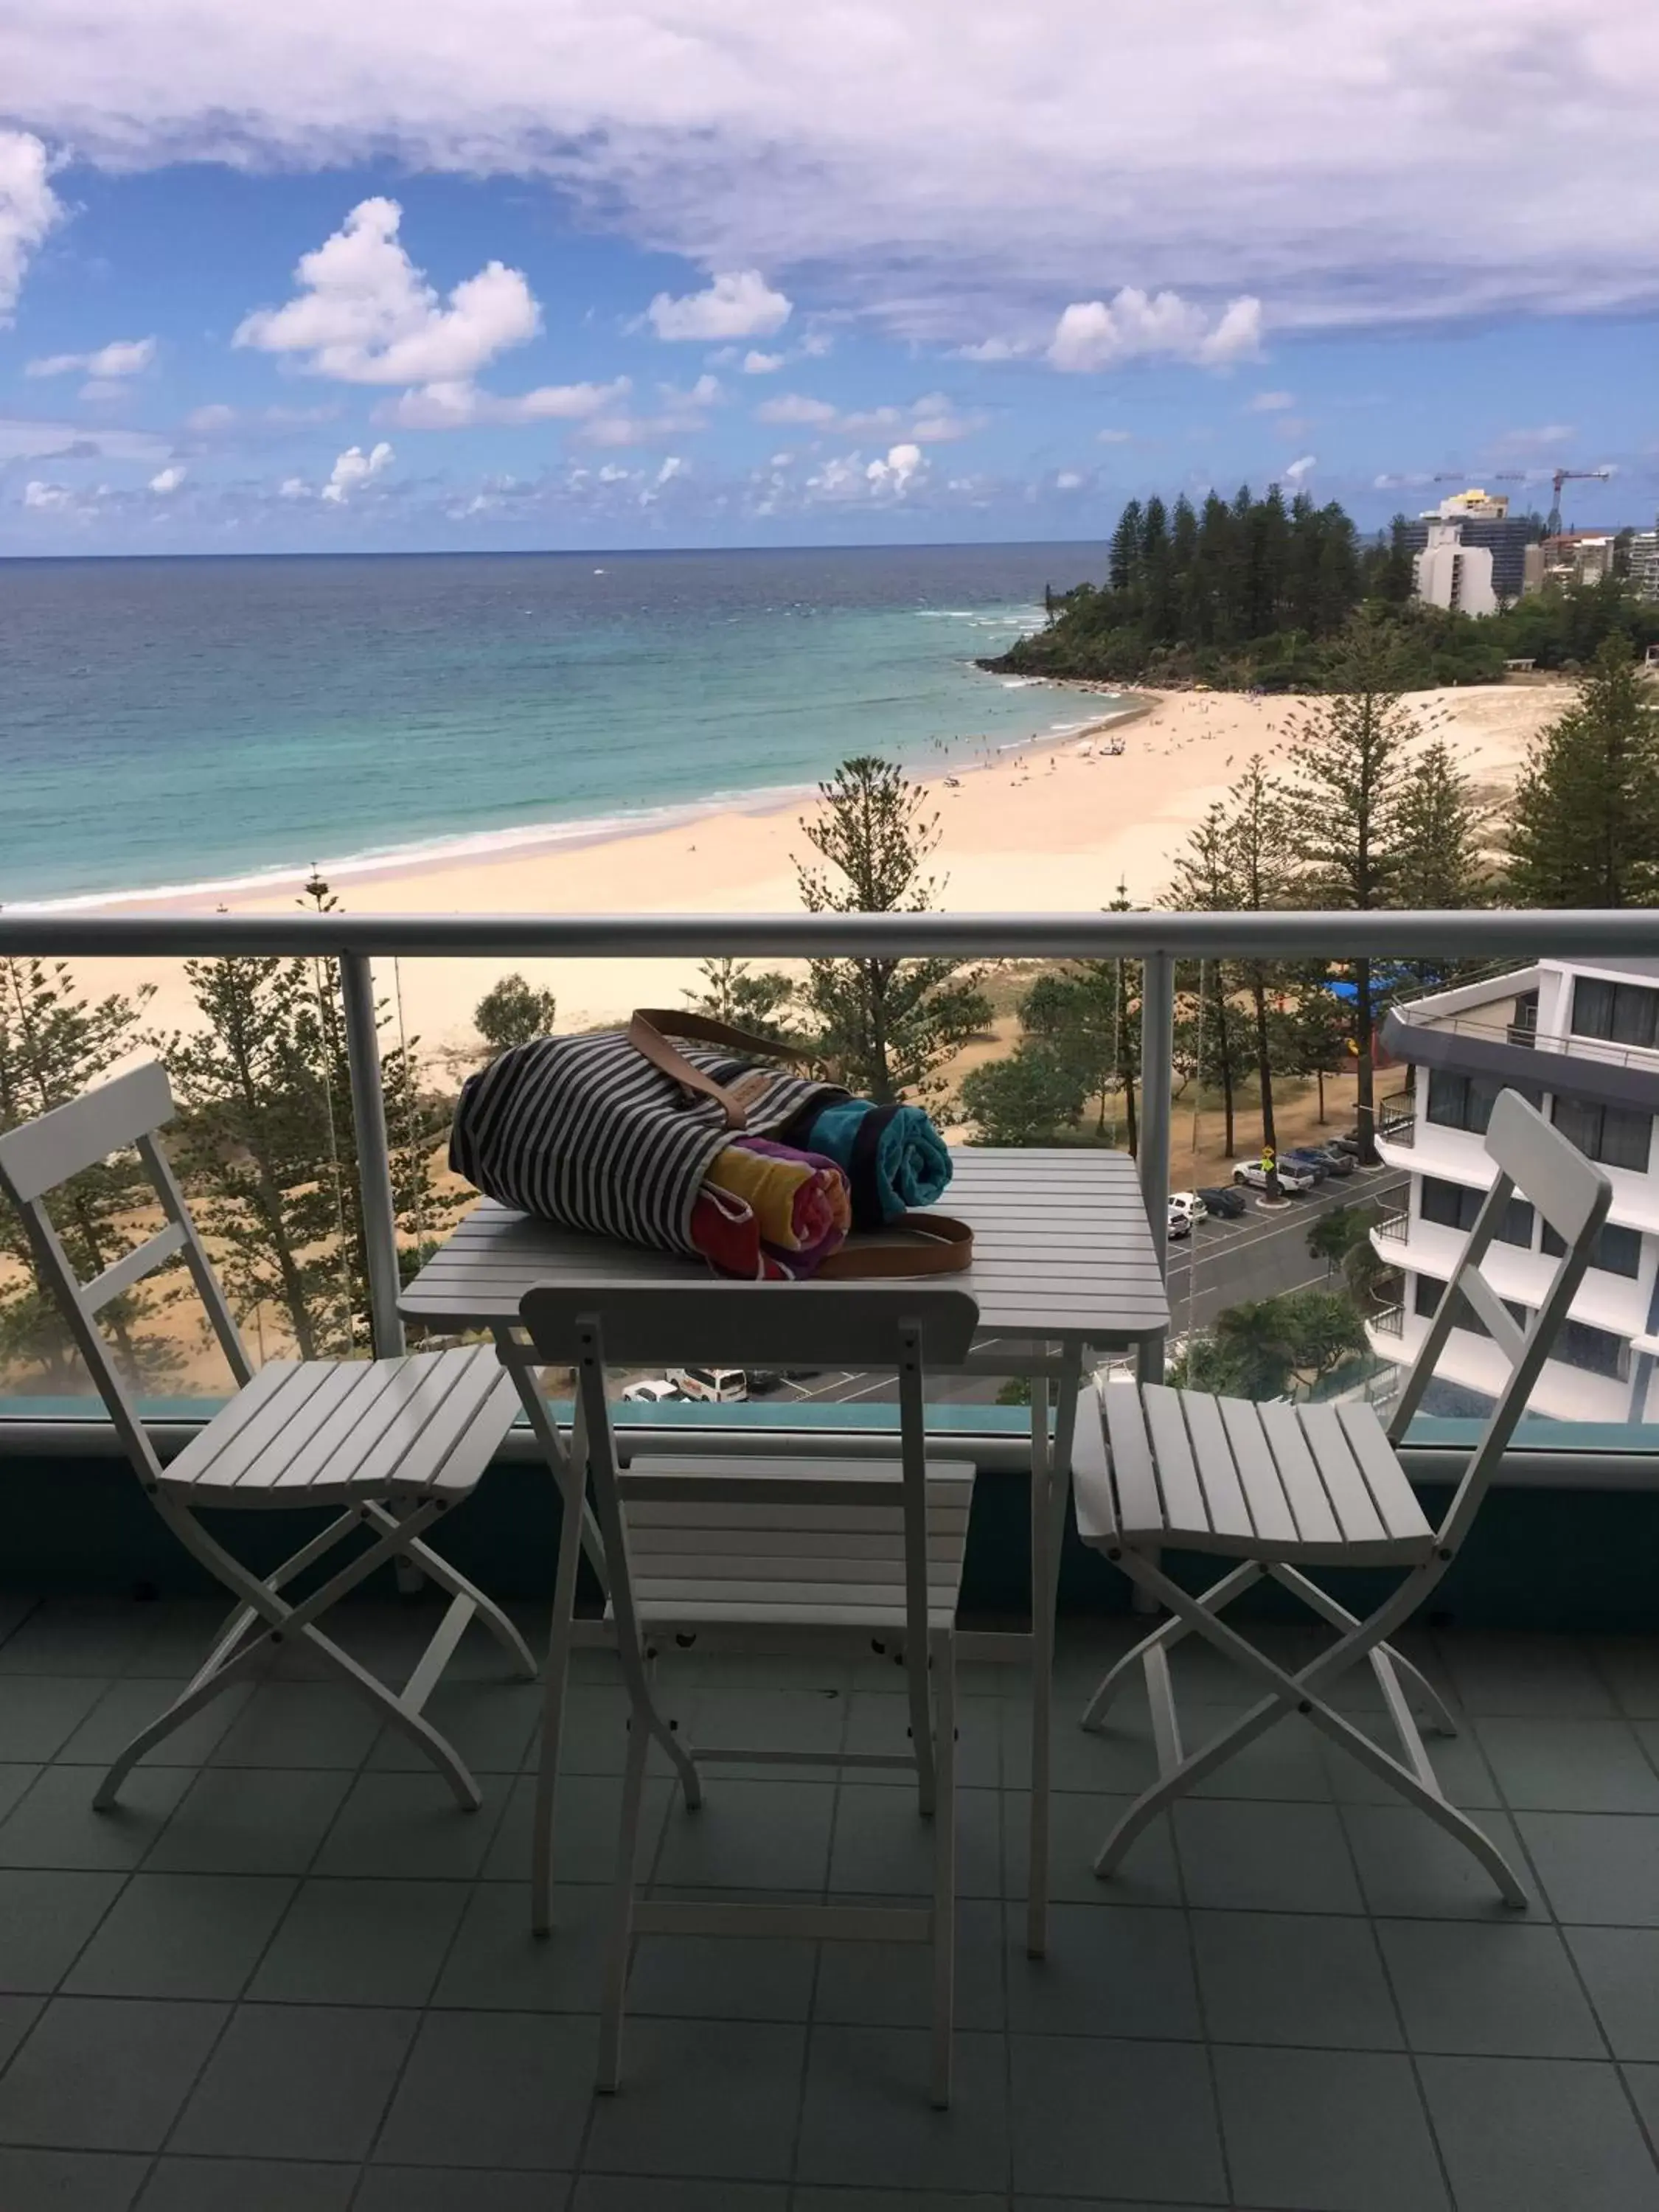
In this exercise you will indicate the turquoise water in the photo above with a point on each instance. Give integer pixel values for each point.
(174, 724)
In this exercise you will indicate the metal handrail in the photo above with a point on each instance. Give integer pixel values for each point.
(1158, 939)
(1572, 1043)
(1395, 1223)
(1390, 1320)
(53, 932)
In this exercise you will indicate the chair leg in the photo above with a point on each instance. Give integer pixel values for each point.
(922, 1733)
(1427, 1799)
(621, 1907)
(1317, 1600)
(485, 1611)
(1175, 1784)
(189, 1701)
(944, 1862)
(1164, 1638)
(554, 1683)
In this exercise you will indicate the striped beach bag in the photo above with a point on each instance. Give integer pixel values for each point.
(615, 1131)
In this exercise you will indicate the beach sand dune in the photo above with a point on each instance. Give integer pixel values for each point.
(1045, 830)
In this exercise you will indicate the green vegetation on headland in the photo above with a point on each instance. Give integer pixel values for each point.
(1256, 594)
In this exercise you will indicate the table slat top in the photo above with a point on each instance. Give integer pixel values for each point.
(1061, 1250)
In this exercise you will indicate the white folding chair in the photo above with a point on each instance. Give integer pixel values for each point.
(396, 1444)
(1281, 1488)
(812, 1548)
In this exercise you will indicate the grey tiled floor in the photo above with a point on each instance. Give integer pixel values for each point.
(287, 1976)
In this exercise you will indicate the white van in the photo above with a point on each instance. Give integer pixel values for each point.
(714, 1386)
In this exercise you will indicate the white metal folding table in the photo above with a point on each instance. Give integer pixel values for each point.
(1063, 1264)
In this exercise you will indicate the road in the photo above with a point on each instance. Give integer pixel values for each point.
(1223, 1264)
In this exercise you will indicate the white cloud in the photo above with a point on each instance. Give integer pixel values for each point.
(1136, 325)
(24, 439)
(995, 349)
(672, 467)
(29, 209)
(797, 407)
(459, 405)
(898, 472)
(120, 357)
(354, 469)
(739, 305)
(1295, 471)
(1115, 437)
(1347, 161)
(47, 498)
(365, 314)
(762, 364)
(217, 420)
(167, 481)
(681, 414)
(294, 488)
(1269, 403)
(930, 421)
(1068, 480)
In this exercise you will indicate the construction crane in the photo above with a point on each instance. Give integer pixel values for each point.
(1553, 526)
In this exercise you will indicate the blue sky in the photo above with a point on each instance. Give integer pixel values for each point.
(697, 275)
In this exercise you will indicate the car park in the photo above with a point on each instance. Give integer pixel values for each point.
(1222, 1201)
(1289, 1178)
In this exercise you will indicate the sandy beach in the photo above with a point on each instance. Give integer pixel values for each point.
(1046, 828)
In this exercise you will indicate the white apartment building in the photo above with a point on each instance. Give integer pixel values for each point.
(1447, 573)
(1579, 1039)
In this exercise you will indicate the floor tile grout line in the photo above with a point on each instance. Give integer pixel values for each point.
(300, 1880)
(1418, 2084)
(425, 2008)
(808, 2025)
(1211, 2072)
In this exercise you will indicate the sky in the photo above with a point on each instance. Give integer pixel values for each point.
(600, 273)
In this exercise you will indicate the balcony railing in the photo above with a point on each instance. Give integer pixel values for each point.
(1155, 939)
(1394, 1224)
(1396, 1118)
(1527, 1035)
(1390, 1320)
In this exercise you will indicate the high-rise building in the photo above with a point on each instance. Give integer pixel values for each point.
(1579, 1039)
(1488, 526)
(1576, 556)
(1644, 564)
(1449, 574)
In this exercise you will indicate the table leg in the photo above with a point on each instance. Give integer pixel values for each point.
(1042, 1671)
(1051, 1491)
(576, 1534)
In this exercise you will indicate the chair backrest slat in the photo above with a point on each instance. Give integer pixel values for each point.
(1572, 1195)
(775, 1324)
(37, 1156)
(40, 1156)
(131, 1267)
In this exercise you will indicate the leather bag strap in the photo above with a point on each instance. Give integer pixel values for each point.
(937, 1244)
(646, 1029)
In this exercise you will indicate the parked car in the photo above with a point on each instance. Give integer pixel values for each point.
(657, 1390)
(711, 1386)
(1180, 1224)
(1330, 1158)
(1305, 1162)
(1223, 1201)
(762, 1381)
(1348, 1146)
(1289, 1178)
(1189, 1202)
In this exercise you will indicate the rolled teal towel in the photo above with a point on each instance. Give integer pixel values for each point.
(894, 1157)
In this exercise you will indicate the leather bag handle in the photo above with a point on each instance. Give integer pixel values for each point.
(942, 1246)
(645, 1033)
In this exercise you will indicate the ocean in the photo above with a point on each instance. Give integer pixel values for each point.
(169, 726)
